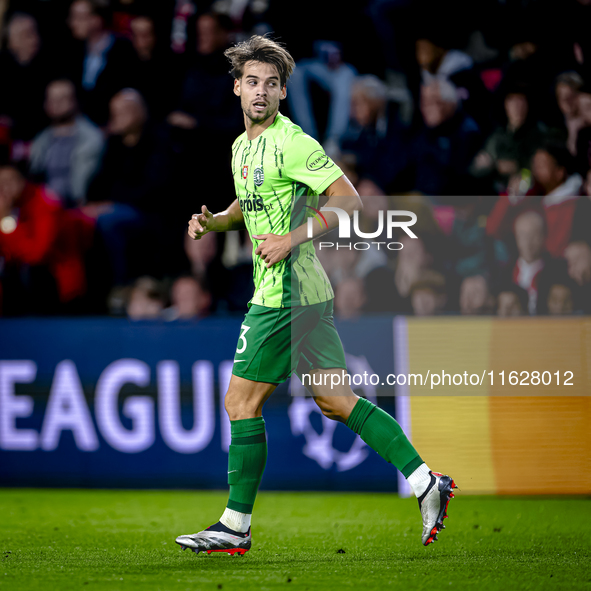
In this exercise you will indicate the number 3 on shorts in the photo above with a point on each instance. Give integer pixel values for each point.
(242, 338)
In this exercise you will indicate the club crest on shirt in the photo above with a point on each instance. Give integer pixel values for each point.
(259, 176)
(244, 172)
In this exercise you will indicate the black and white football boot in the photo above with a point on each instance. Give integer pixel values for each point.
(433, 505)
(217, 538)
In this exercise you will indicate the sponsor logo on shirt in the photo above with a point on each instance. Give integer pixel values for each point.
(254, 204)
(317, 160)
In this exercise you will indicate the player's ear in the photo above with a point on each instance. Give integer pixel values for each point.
(236, 86)
(283, 92)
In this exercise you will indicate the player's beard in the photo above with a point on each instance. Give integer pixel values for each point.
(259, 118)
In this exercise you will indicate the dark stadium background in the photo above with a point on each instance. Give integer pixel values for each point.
(486, 140)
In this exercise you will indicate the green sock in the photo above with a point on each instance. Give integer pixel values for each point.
(384, 435)
(246, 462)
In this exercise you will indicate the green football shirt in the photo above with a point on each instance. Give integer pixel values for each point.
(278, 177)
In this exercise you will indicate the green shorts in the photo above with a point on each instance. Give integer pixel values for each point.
(275, 342)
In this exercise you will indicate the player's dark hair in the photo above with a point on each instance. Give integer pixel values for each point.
(260, 49)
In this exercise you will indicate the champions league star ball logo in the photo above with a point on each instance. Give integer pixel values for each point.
(319, 446)
(259, 176)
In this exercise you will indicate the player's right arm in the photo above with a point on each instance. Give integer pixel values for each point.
(204, 222)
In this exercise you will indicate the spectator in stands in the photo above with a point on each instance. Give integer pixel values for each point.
(128, 190)
(368, 124)
(41, 245)
(229, 289)
(388, 284)
(333, 75)
(578, 252)
(436, 58)
(427, 294)
(157, 74)
(512, 300)
(447, 144)
(530, 236)
(553, 173)
(413, 259)
(468, 250)
(343, 261)
(582, 215)
(106, 64)
(201, 253)
(143, 37)
(208, 118)
(560, 300)
(207, 87)
(567, 90)
(531, 61)
(147, 299)
(385, 155)
(68, 153)
(190, 299)
(438, 61)
(381, 293)
(349, 298)
(557, 292)
(555, 191)
(584, 136)
(510, 148)
(390, 19)
(578, 257)
(374, 150)
(340, 263)
(475, 296)
(24, 74)
(581, 47)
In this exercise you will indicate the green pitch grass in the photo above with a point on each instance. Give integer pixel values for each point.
(88, 540)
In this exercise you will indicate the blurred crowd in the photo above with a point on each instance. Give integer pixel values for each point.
(117, 118)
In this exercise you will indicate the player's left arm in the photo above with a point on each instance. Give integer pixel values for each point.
(341, 193)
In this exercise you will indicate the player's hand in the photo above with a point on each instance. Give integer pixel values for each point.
(201, 223)
(274, 248)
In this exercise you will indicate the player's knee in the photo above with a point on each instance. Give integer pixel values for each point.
(331, 409)
(239, 408)
(234, 407)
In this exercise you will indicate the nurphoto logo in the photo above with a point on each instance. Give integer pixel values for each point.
(393, 219)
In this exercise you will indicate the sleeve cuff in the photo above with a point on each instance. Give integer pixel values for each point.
(326, 182)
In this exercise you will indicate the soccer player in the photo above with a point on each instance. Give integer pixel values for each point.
(279, 173)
